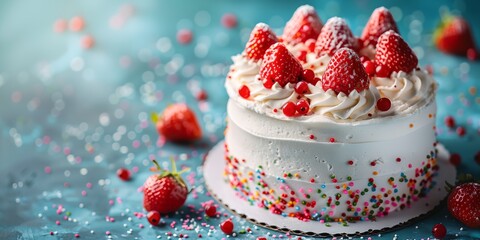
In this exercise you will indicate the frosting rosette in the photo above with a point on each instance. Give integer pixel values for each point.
(354, 106)
(406, 90)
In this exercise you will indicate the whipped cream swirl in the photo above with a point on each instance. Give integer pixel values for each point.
(406, 91)
(354, 106)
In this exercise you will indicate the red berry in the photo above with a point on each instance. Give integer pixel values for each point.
(302, 56)
(210, 210)
(289, 109)
(153, 217)
(279, 65)
(461, 131)
(304, 24)
(261, 238)
(178, 123)
(472, 54)
(464, 204)
(202, 95)
(439, 231)
(335, 35)
(302, 106)
(383, 71)
(268, 83)
(229, 20)
(450, 121)
(315, 81)
(310, 43)
(380, 21)
(165, 192)
(301, 87)
(308, 75)
(227, 226)
(123, 174)
(477, 157)
(261, 38)
(384, 104)
(332, 140)
(370, 67)
(394, 53)
(455, 159)
(184, 36)
(244, 92)
(345, 73)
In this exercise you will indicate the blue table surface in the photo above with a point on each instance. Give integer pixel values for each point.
(70, 116)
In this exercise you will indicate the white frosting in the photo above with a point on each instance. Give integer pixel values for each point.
(341, 106)
(316, 63)
(406, 91)
(368, 51)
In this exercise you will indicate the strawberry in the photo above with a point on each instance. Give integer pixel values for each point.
(178, 123)
(380, 21)
(261, 38)
(345, 73)
(335, 35)
(279, 65)
(394, 53)
(454, 36)
(304, 24)
(464, 204)
(165, 192)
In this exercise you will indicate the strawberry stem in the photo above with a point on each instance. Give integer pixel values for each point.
(157, 165)
(174, 166)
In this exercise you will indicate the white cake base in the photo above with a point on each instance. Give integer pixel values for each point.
(219, 188)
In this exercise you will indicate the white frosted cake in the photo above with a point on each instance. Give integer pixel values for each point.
(324, 126)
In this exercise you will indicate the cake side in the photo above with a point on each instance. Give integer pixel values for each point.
(330, 180)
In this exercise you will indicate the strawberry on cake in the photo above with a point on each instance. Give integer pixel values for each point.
(325, 126)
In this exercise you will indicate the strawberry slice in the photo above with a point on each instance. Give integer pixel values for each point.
(304, 24)
(394, 53)
(345, 73)
(279, 65)
(335, 35)
(261, 38)
(454, 36)
(380, 21)
(178, 123)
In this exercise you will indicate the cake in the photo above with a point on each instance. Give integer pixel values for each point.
(326, 126)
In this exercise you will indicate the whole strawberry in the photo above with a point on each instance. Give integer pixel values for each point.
(279, 65)
(464, 204)
(261, 38)
(380, 21)
(165, 192)
(454, 36)
(178, 123)
(345, 73)
(304, 24)
(335, 35)
(394, 53)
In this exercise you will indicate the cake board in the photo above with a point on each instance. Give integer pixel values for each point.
(213, 168)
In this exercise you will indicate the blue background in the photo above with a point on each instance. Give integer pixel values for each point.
(70, 117)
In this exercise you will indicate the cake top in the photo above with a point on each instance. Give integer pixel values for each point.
(316, 72)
